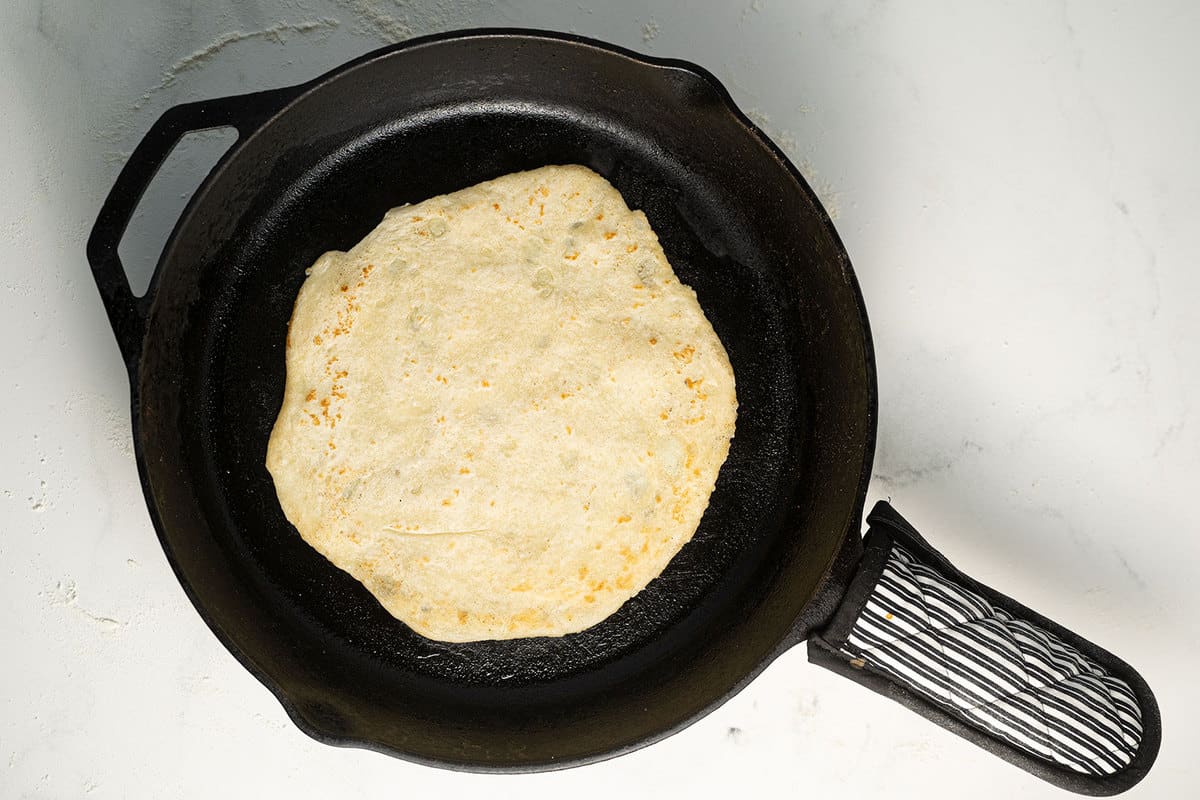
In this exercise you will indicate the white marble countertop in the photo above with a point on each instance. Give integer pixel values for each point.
(1018, 186)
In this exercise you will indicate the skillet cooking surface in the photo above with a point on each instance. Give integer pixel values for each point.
(737, 225)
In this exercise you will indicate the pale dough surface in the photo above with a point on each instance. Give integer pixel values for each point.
(503, 412)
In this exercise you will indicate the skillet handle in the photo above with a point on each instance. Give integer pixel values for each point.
(126, 312)
(915, 629)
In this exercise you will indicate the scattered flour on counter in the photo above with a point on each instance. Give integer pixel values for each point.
(398, 20)
(40, 502)
(373, 20)
(759, 118)
(107, 421)
(65, 594)
(277, 33)
(829, 195)
(753, 7)
(118, 431)
(62, 594)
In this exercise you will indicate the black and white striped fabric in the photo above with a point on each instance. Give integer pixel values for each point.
(1020, 682)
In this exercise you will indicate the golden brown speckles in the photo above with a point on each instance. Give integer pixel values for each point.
(658, 498)
(345, 287)
(610, 234)
(496, 206)
(484, 384)
(623, 518)
(441, 420)
(632, 248)
(315, 419)
(416, 219)
(446, 501)
(685, 355)
(312, 395)
(571, 256)
(366, 271)
(317, 340)
(600, 216)
(442, 380)
(653, 340)
(568, 430)
(541, 209)
(523, 586)
(624, 581)
(463, 616)
(565, 395)
(526, 617)
(543, 191)
(639, 286)
(589, 598)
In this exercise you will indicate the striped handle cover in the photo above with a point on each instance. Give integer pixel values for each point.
(1071, 712)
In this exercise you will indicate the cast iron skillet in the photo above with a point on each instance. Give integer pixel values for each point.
(314, 169)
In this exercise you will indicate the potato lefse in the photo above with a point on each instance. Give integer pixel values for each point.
(503, 413)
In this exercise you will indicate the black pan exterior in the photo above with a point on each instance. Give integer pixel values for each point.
(738, 224)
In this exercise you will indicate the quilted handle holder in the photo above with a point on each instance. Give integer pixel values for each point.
(914, 628)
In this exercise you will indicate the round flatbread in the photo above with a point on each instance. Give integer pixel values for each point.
(503, 413)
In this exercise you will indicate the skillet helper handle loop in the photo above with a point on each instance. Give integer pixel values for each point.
(127, 312)
(915, 629)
